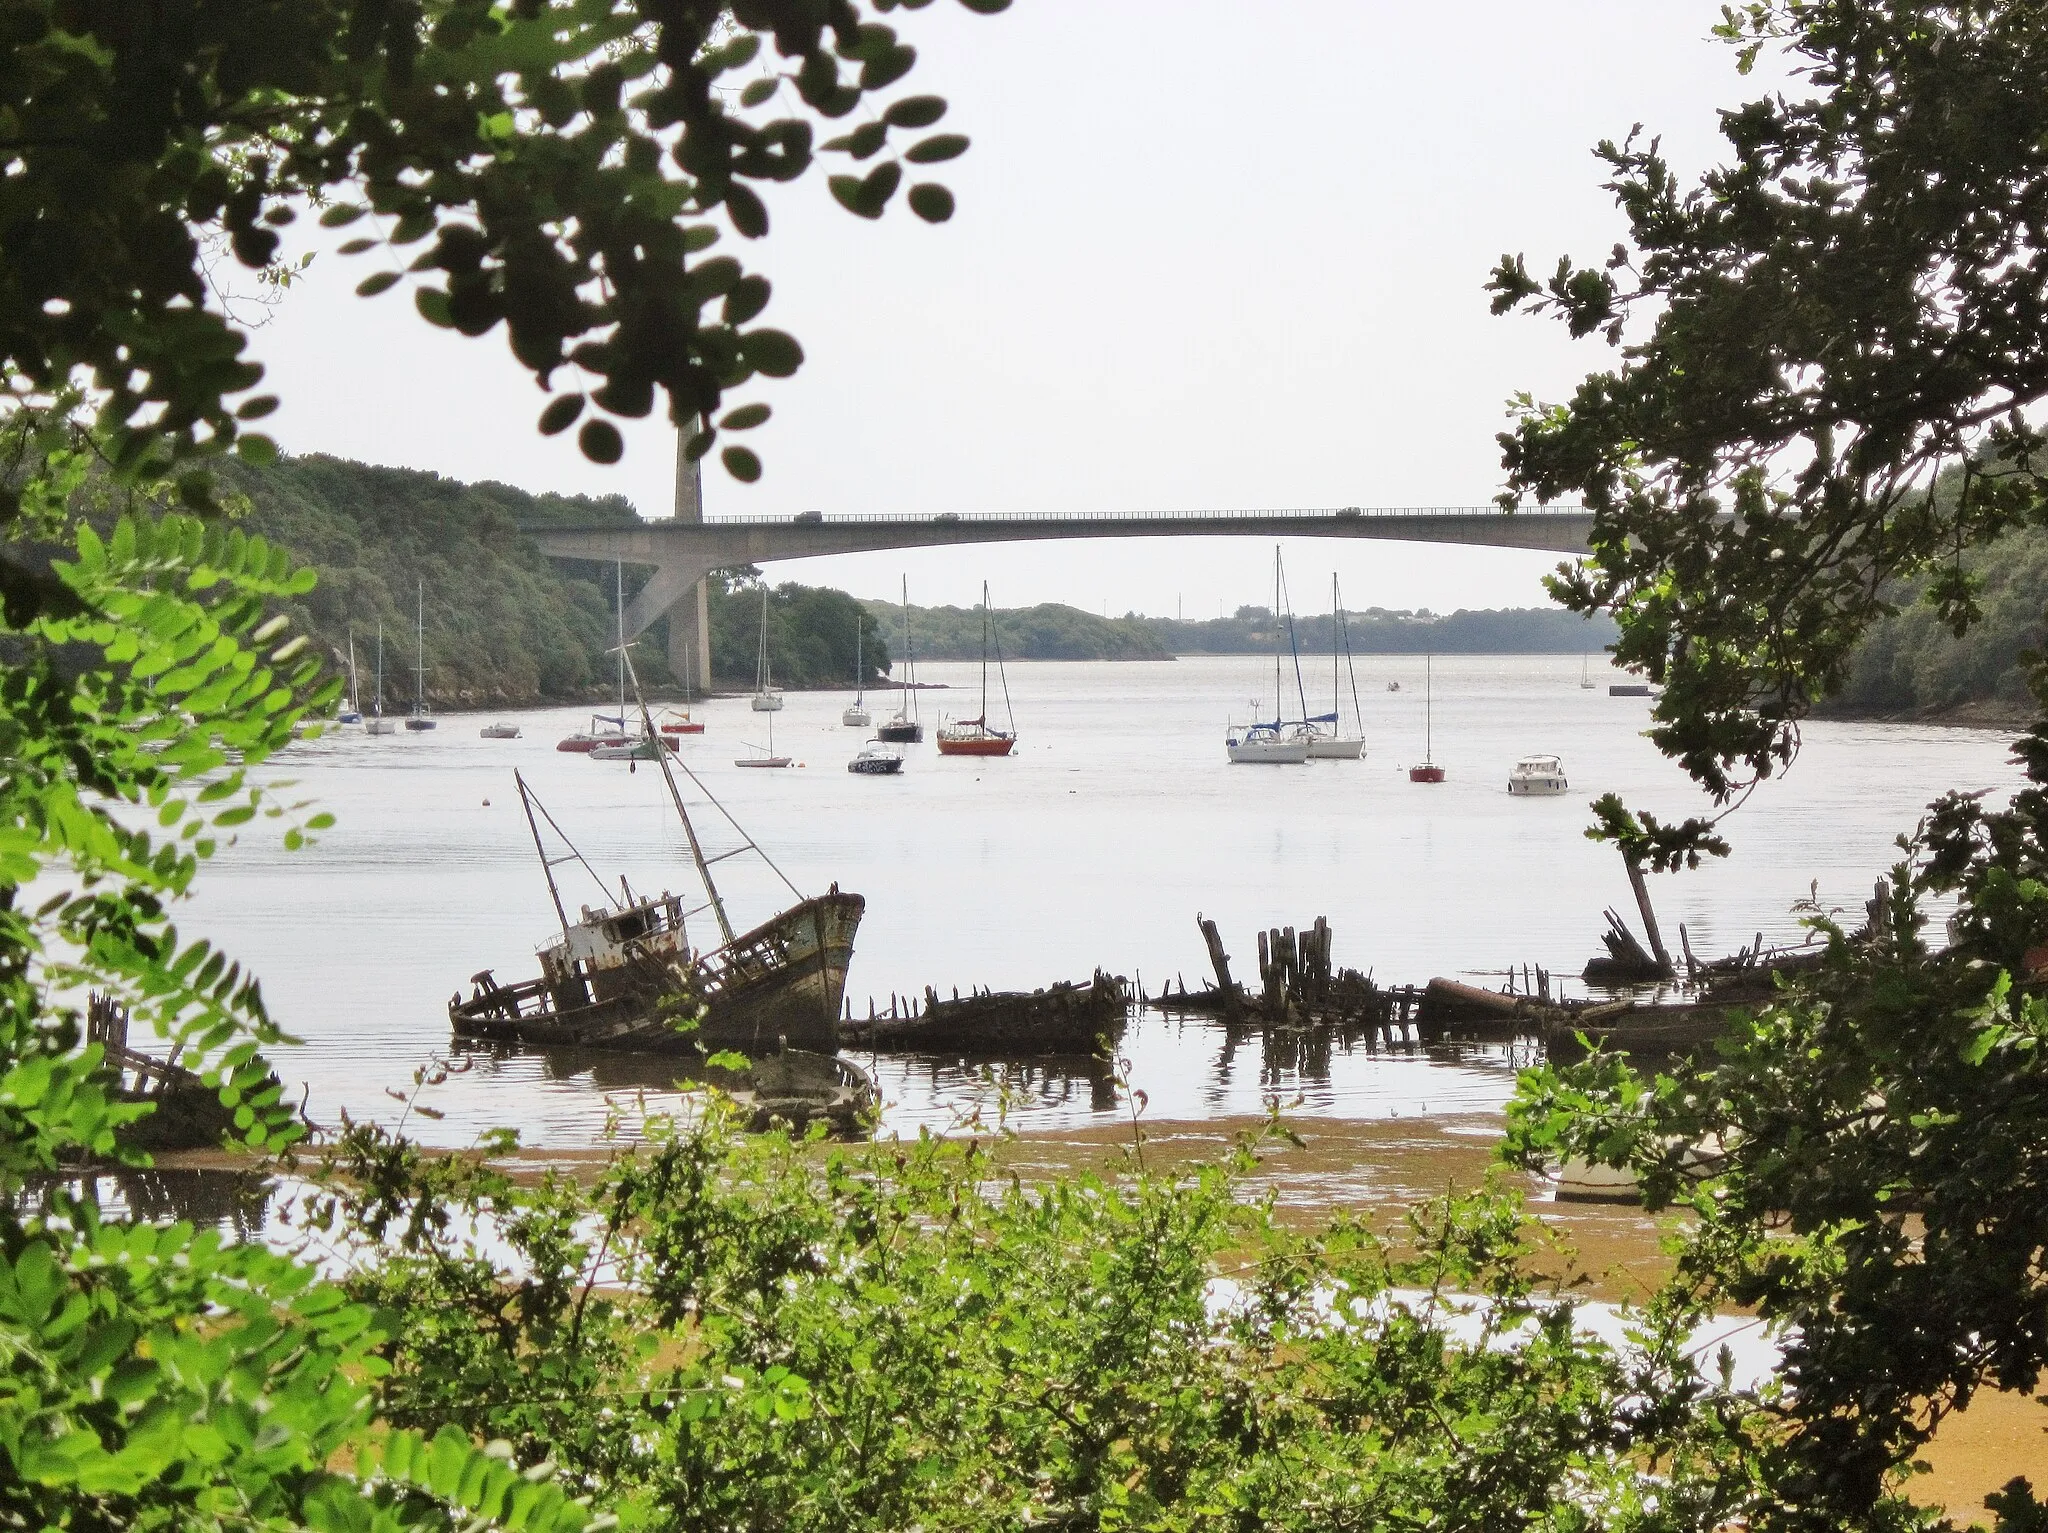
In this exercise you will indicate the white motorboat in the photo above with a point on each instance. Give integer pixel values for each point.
(1538, 777)
(858, 717)
(766, 698)
(499, 732)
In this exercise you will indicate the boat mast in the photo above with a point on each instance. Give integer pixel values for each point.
(1429, 710)
(984, 654)
(380, 668)
(1336, 703)
(1350, 665)
(661, 756)
(419, 670)
(1276, 635)
(547, 867)
(1001, 671)
(355, 703)
(909, 663)
(619, 605)
(860, 624)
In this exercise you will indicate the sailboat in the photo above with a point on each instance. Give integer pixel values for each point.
(1335, 745)
(905, 728)
(1268, 744)
(620, 970)
(1429, 771)
(419, 718)
(607, 730)
(766, 698)
(377, 724)
(1585, 673)
(351, 710)
(858, 717)
(681, 721)
(767, 758)
(973, 737)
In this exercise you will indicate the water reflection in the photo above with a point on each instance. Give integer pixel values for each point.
(236, 1203)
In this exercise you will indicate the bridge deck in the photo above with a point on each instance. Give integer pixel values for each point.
(685, 551)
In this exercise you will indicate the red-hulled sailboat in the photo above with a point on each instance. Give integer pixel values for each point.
(1429, 771)
(973, 737)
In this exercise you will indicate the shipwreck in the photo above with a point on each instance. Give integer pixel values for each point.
(624, 974)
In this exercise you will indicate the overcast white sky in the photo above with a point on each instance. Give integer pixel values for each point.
(1208, 255)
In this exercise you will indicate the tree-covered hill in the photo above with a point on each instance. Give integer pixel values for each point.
(1911, 664)
(504, 624)
(1048, 631)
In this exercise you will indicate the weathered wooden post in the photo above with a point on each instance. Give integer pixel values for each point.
(1220, 962)
(1637, 882)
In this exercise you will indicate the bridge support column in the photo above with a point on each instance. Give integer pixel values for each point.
(688, 619)
(690, 508)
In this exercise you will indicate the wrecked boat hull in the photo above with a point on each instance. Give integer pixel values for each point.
(780, 983)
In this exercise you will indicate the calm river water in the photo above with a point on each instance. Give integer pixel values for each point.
(1096, 844)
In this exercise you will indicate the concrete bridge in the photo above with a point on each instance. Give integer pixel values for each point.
(687, 547)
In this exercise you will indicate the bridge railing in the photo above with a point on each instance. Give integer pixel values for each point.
(1315, 513)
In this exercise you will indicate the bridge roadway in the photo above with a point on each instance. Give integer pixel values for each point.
(684, 551)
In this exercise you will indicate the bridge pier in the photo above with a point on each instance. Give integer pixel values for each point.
(690, 508)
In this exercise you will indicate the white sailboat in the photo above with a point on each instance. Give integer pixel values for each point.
(419, 718)
(767, 758)
(1325, 732)
(858, 717)
(1585, 673)
(352, 709)
(766, 698)
(1268, 744)
(376, 723)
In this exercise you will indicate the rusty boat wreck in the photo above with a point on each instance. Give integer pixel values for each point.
(625, 975)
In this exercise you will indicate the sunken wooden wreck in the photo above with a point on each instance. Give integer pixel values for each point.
(188, 1112)
(626, 976)
(1064, 1018)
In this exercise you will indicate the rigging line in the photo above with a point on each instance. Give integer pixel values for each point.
(997, 634)
(669, 759)
(661, 757)
(1288, 601)
(752, 845)
(1349, 664)
(533, 799)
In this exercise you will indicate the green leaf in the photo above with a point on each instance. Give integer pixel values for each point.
(915, 111)
(433, 306)
(560, 414)
(601, 442)
(749, 213)
(745, 418)
(758, 91)
(341, 215)
(940, 146)
(741, 463)
(931, 202)
(376, 283)
(772, 352)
